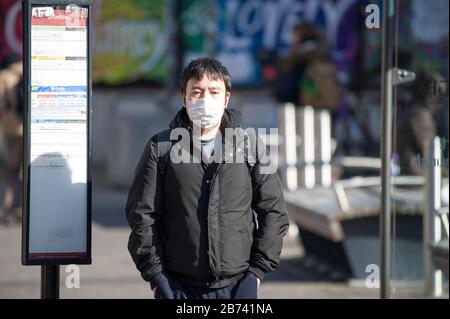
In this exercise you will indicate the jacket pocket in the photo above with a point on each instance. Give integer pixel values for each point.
(235, 251)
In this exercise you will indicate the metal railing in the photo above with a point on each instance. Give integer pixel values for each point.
(435, 221)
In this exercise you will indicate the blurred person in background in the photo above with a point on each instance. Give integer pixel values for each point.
(11, 133)
(193, 233)
(306, 75)
(427, 119)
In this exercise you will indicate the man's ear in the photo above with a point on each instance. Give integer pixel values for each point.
(227, 98)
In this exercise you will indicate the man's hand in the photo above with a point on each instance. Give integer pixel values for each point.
(258, 280)
(162, 288)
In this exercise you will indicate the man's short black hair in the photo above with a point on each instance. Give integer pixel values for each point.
(199, 67)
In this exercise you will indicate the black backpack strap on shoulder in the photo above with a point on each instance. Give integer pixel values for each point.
(164, 145)
(251, 155)
(250, 150)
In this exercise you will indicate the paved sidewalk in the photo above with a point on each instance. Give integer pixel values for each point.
(113, 274)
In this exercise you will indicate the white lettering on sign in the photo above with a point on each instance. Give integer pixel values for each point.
(251, 17)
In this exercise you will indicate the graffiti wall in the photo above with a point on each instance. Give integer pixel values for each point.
(130, 41)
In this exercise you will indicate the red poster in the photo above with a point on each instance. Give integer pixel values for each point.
(10, 27)
(46, 16)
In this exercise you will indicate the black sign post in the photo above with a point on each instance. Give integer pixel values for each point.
(50, 282)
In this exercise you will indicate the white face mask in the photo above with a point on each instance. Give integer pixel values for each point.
(206, 112)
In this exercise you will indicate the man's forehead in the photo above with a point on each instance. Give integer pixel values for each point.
(206, 81)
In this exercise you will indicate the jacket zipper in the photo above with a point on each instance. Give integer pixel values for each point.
(217, 270)
(213, 185)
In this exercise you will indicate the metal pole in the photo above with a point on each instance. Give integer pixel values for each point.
(305, 130)
(50, 282)
(322, 141)
(287, 124)
(431, 222)
(210, 25)
(386, 148)
(173, 55)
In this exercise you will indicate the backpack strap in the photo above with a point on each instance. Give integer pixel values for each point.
(164, 145)
(250, 154)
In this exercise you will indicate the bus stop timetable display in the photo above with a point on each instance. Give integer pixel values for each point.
(58, 86)
(58, 132)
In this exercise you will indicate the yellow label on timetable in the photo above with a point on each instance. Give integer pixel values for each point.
(43, 57)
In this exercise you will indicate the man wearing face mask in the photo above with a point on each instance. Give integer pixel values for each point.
(212, 228)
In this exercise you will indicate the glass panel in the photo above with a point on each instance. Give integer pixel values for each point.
(420, 115)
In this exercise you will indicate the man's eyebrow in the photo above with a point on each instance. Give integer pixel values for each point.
(196, 87)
